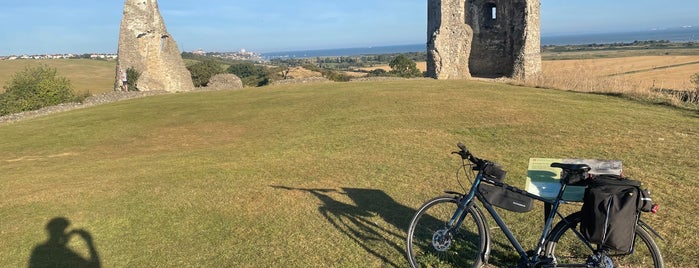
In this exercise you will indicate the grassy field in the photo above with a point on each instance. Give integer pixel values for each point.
(316, 175)
(93, 76)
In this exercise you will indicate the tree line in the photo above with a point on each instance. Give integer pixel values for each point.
(258, 74)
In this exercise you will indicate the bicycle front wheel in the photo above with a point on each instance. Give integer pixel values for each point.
(566, 245)
(431, 243)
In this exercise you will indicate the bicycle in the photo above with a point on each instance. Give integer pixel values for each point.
(452, 231)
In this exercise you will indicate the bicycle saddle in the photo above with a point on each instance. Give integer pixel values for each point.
(571, 167)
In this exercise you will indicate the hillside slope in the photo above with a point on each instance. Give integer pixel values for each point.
(316, 174)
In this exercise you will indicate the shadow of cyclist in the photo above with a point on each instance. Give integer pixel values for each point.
(55, 252)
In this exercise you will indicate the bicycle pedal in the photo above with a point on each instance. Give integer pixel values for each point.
(545, 262)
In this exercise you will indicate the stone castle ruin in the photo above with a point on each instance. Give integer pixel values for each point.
(146, 46)
(484, 38)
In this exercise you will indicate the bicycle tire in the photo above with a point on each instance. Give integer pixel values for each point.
(466, 248)
(567, 247)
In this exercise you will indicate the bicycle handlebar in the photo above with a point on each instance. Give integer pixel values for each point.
(467, 155)
(462, 147)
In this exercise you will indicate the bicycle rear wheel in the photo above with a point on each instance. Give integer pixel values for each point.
(431, 244)
(567, 247)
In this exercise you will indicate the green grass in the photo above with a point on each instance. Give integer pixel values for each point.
(316, 175)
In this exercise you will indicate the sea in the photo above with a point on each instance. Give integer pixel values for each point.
(680, 34)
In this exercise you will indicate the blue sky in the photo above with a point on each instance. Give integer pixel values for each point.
(86, 26)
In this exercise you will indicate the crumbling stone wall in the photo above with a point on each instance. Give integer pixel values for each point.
(448, 40)
(501, 38)
(146, 45)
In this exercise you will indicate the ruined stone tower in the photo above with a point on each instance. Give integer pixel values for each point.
(449, 39)
(495, 38)
(146, 45)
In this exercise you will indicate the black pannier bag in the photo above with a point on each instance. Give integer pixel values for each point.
(610, 211)
(500, 196)
(507, 199)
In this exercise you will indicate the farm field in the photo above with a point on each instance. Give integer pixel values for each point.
(317, 175)
(669, 72)
(93, 76)
(660, 71)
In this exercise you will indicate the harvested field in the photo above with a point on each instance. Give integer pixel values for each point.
(672, 72)
(647, 71)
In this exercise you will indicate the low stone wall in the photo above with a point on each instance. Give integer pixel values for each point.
(89, 101)
(302, 81)
(386, 78)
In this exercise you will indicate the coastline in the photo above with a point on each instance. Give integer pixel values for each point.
(674, 35)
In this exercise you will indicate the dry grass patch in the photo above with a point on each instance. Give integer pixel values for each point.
(643, 71)
(301, 73)
(634, 77)
(421, 65)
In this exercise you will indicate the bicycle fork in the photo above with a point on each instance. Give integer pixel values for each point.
(466, 204)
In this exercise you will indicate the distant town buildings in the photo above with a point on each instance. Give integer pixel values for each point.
(102, 56)
(199, 52)
(242, 54)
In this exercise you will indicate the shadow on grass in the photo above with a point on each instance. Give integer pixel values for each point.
(55, 252)
(358, 221)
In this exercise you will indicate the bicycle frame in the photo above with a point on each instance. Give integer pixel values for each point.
(428, 241)
(468, 200)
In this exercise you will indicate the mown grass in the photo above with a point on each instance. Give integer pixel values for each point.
(316, 175)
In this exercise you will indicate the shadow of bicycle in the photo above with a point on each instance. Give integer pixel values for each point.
(371, 218)
(379, 224)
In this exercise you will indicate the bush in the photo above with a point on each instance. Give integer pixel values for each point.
(312, 67)
(327, 73)
(35, 88)
(404, 67)
(251, 74)
(132, 76)
(335, 76)
(203, 71)
(695, 81)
